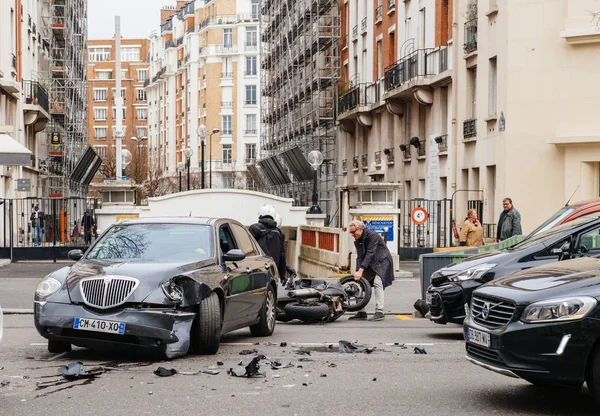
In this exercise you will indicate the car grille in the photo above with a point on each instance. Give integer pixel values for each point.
(107, 292)
(491, 312)
(483, 353)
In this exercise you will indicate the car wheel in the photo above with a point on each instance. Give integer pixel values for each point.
(358, 293)
(307, 311)
(209, 323)
(266, 324)
(57, 347)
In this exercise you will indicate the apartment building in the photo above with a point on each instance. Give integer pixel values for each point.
(526, 109)
(204, 71)
(102, 108)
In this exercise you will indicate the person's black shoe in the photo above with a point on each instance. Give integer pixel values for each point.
(359, 315)
(379, 316)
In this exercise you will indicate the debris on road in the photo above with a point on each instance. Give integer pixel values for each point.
(5, 383)
(163, 372)
(211, 371)
(283, 344)
(420, 350)
(276, 365)
(403, 346)
(248, 352)
(220, 363)
(347, 347)
(249, 371)
(422, 307)
(74, 371)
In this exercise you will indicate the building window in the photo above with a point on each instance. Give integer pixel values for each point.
(250, 94)
(141, 95)
(115, 113)
(227, 37)
(227, 153)
(142, 113)
(251, 38)
(471, 92)
(130, 54)
(255, 9)
(141, 132)
(100, 95)
(103, 74)
(250, 124)
(99, 113)
(250, 152)
(493, 94)
(142, 74)
(100, 151)
(226, 125)
(379, 60)
(99, 54)
(251, 65)
(114, 92)
(100, 132)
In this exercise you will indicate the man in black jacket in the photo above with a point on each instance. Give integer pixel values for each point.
(88, 224)
(374, 263)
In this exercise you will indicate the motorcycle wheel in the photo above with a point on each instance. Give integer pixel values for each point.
(358, 293)
(307, 311)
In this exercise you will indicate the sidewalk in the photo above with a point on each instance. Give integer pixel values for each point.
(19, 280)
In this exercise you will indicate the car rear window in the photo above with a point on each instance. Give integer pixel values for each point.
(553, 220)
(154, 243)
(534, 239)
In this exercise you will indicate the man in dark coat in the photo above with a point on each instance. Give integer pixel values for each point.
(88, 224)
(374, 263)
(509, 223)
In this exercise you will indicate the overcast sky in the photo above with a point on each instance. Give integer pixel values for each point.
(138, 17)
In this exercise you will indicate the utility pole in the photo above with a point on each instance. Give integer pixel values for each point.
(118, 100)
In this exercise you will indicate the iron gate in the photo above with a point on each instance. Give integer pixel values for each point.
(60, 229)
(435, 232)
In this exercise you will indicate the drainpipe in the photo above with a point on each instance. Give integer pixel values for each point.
(455, 130)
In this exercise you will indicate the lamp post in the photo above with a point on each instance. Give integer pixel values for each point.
(215, 131)
(188, 152)
(202, 134)
(315, 158)
(180, 168)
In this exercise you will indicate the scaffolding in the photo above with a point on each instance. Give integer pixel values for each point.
(300, 61)
(65, 34)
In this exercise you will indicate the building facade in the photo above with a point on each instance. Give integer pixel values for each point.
(101, 103)
(204, 70)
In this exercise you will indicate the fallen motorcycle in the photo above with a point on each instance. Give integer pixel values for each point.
(316, 300)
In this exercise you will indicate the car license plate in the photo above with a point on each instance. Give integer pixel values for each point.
(479, 337)
(98, 325)
(428, 298)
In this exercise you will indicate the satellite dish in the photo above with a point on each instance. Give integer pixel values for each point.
(126, 157)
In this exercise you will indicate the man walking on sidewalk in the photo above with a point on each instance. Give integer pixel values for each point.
(374, 263)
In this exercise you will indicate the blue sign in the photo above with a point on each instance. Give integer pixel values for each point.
(382, 225)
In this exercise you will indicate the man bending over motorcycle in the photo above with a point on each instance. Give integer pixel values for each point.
(374, 263)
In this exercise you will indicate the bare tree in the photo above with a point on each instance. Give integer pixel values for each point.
(109, 163)
(596, 19)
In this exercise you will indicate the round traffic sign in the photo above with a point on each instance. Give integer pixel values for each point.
(419, 215)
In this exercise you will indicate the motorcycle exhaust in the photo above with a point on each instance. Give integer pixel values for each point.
(304, 293)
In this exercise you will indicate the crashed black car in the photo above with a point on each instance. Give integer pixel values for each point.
(451, 287)
(540, 324)
(166, 284)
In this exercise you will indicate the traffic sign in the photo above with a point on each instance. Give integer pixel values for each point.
(419, 215)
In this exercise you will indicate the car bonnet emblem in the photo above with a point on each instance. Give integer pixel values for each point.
(107, 280)
(485, 310)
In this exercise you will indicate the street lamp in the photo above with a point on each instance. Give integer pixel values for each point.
(188, 152)
(215, 131)
(315, 158)
(180, 168)
(202, 134)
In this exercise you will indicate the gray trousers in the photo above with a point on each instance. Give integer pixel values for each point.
(378, 294)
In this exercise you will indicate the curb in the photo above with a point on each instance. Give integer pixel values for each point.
(4, 262)
(15, 311)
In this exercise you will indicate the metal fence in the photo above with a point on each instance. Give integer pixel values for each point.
(435, 232)
(60, 226)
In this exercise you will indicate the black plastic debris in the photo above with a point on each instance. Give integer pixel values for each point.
(403, 346)
(420, 350)
(249, 371)
(323, 375)
(5, 383)
(302, 352)
(276, 365)
(332, 365)
(422, 307)
(74, 371)
(283, 344)
(305, 384)
(248, 352)
(163, 372)
(347, 347)
(305, 359)
(220, 363)
(375, 379)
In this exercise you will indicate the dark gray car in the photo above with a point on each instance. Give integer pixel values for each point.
(451, 287)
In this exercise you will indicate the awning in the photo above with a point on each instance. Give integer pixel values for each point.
(13, 153)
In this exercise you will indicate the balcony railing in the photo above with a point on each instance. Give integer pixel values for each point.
(470, 36)
(443, 59)
(421, 148)
(14, 61)
(378, 14)
(405, 149)
(363, 25)
(190, 29)
(250, 73)
(344, 165)
(179, 41)
(250, 132)
(442, 142)
(355, 32)
(250, 102)
(226, 103)
(35, 94)
(362, 94)
(250, 46)
(355, 162)
(419, 63)
(364, 161)
(226, 74)
(377, 156)
(170, 43)
(470, 128)
(226, 48)
(391, 5)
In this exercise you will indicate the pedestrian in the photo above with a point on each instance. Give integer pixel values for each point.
(88, 224)
(374, 263)
(270, 238)
(37, 222)
(509, 223)
(471, 233)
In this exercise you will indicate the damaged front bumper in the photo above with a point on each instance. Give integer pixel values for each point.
(167, 330)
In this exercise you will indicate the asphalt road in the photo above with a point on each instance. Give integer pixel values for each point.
(389, 381)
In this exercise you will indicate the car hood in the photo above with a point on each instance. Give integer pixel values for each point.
(566, 278)
(493, 256)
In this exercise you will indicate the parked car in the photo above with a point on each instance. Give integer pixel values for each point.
(570, 212)
(451, 287)
(540, 324)
(162, 284)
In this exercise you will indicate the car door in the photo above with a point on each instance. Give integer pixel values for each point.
(238, 301)
(256, 263)
(587, 243)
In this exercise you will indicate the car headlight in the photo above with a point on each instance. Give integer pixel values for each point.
(557, 310)
(47, 287)
(472, 273)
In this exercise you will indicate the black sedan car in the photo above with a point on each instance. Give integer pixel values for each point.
(541, 324)
(451, 287)
(165, 284)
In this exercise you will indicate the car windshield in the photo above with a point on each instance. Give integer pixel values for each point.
(532, 239)
(553, 220)
(154, 243)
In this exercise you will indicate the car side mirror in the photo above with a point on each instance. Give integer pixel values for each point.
(234, 255)
(75, 254)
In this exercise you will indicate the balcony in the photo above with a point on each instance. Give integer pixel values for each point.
(364, 161)
(14, 61)
(364, 94)
(417, 64)
(250, 132)
(378, 15)
(35, 94)
(166, 27)
(391, 5)
(470, 128)
(355, 33)
(179, 41)
(377, 156)
(443, 54)
(405, 149)
(363, 25)
(188, 9)
(225, 49)
(344, 42)
(170, 43)
(355, 163)
(227, 104)
(345, 166)
(226, 74)
(250, 47)
(390, 155)
(442, 142)
(470, 36)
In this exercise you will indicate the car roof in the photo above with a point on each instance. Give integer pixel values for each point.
(584, 203)
(175, 220)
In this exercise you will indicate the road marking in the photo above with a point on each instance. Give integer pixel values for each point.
(38, 344)
(403, 317)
